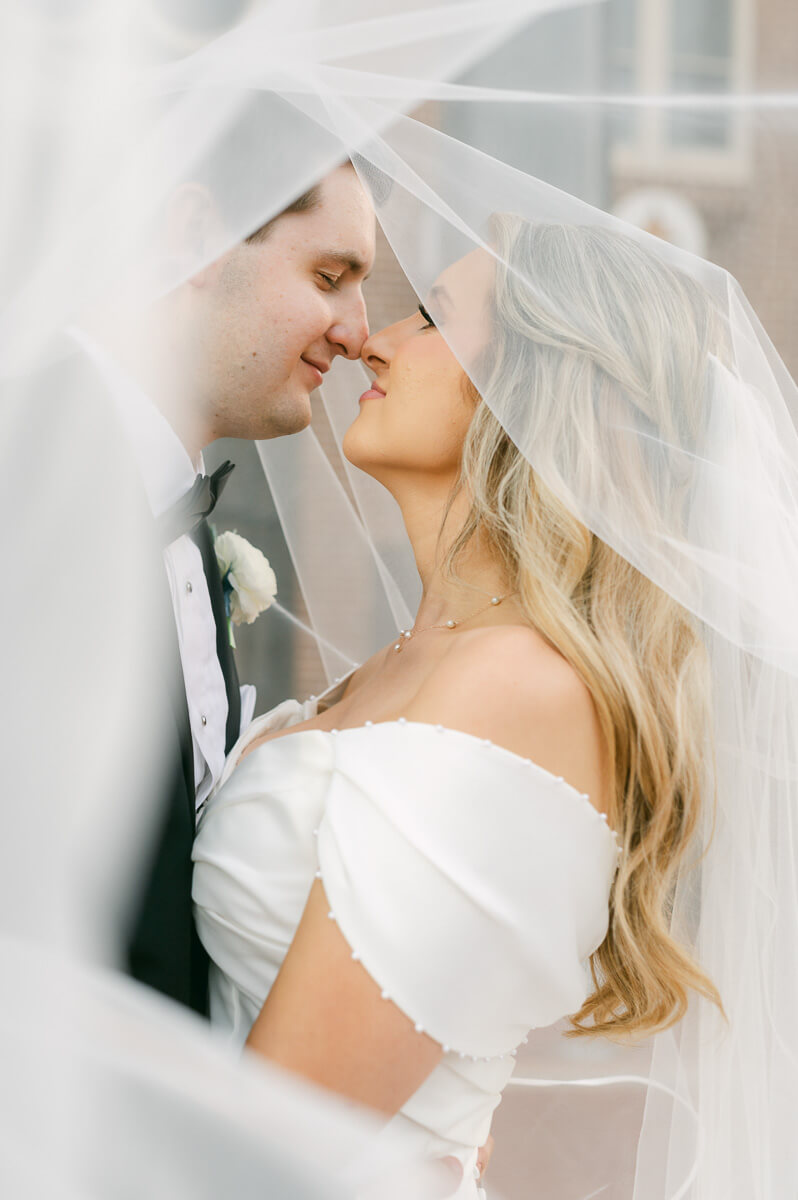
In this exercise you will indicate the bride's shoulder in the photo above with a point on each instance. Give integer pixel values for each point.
(509, 685)
(504, 668)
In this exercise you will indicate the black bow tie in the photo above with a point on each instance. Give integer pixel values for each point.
(197, 504)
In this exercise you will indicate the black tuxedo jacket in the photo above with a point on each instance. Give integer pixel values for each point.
(163, 949)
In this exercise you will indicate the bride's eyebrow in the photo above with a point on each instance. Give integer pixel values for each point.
(438, 294)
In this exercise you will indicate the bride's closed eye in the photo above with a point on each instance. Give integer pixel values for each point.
(430, 323)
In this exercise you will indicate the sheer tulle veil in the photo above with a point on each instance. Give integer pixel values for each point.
(105, 117)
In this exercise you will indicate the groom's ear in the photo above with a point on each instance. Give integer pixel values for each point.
(195, 233)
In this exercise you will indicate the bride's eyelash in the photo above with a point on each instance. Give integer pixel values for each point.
(331, 279)
(426, 316)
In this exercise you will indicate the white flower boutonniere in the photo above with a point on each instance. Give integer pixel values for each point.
(248, 582)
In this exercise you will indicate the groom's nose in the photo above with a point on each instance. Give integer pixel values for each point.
(350, 329)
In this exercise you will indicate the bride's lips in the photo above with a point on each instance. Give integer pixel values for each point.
(372, 393)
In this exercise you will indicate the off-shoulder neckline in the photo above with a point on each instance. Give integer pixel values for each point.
(401, 722)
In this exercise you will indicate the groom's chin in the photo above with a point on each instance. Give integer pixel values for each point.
(291, 415)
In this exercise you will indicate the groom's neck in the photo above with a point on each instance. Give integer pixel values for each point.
(159, 371)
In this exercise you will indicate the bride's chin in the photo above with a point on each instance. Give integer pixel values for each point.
(353, 449)
(366, 458)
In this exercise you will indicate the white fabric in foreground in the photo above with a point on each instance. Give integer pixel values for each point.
(472, 884)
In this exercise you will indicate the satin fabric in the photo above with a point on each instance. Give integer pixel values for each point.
(470, 883)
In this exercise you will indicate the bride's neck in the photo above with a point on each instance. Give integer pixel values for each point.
(480, 574)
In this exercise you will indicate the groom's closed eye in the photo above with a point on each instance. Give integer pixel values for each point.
(335, 269)
(339, 262)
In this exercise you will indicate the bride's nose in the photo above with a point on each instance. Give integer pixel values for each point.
(376, 352)
(379, 349)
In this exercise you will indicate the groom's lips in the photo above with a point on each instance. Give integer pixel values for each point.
(318, 367)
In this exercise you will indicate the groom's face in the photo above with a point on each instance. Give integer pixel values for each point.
(282, 308)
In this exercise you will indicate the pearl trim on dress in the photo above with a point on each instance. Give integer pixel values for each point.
(419, 1028)
(528, 762)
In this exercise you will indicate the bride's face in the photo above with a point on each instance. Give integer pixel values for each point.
(415, 418)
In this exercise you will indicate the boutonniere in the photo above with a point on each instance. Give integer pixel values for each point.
(248, 582)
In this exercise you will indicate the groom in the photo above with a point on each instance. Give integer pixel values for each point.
(235, 351)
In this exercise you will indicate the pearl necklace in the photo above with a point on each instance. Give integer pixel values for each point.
(406, 634)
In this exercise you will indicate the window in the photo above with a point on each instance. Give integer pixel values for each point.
(675, 47)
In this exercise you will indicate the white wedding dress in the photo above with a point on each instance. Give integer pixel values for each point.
(471, 884)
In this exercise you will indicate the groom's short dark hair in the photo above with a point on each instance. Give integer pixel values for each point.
(305, 203)
(264, 130)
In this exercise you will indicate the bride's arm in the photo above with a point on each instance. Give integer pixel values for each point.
(326, 1019)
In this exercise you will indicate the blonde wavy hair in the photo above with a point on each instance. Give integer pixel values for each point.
(614, 329)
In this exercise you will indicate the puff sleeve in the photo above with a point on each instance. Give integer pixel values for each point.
(472, 884)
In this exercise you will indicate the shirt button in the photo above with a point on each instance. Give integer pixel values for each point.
(189, 588)
(204, 719)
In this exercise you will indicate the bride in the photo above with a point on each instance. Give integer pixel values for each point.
(477, 831)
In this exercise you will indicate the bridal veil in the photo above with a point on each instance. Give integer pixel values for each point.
(106, 114)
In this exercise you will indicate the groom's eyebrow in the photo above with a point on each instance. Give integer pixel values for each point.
(350, 260)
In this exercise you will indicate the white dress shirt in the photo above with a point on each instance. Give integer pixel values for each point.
(167, 473)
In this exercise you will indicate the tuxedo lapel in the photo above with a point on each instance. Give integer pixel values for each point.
(175, 683)
(163, 949)
(204, 540)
